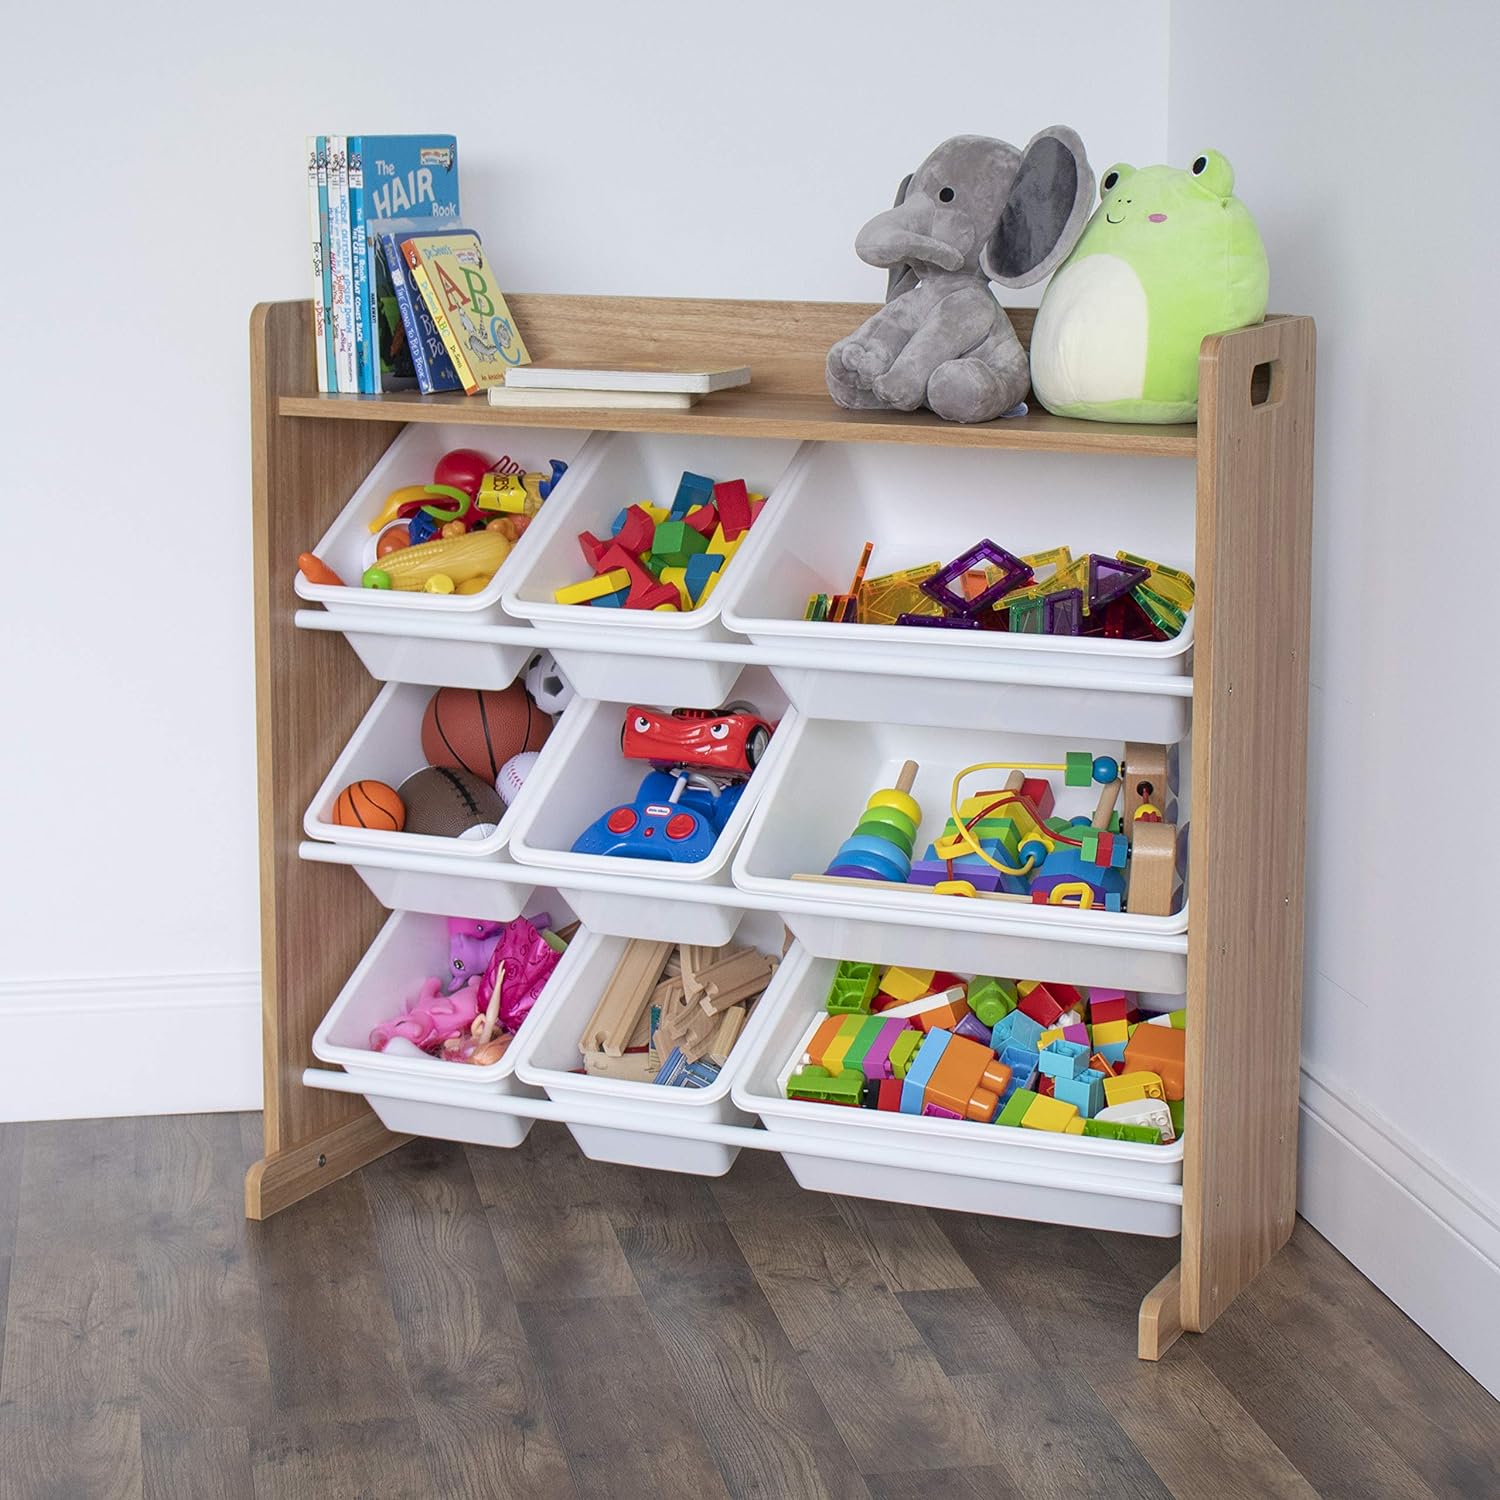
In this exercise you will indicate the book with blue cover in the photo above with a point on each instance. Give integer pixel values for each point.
(402, 177)
(415, 347)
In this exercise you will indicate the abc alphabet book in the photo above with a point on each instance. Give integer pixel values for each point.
(461, 293)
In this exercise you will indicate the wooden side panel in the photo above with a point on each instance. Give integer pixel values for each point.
(311, 692)
(1249, 804)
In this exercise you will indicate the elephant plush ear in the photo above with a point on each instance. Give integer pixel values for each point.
(1048, 206)
(900, 278)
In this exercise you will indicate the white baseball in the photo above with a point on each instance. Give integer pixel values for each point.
(513, 775)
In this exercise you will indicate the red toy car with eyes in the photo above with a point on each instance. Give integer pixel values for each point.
(729, 741)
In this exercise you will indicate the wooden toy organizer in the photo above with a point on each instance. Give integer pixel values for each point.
(1252, 447)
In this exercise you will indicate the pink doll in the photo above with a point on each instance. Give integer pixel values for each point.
(525, 963)
(431, 1017)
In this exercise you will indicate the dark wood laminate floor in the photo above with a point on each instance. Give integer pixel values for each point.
(455, 1323)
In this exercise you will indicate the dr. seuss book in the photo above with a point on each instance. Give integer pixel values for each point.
(412, 344)
(338, 248)
(460, 291)
(408, 177)
(317, 210)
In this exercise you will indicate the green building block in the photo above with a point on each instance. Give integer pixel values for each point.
(854, 987)
(1104, 1130)
(1142, 1135)
(674, 542)
(992, 999)
(819, 1086)
(1080, 765)
(1016, 1107)
(1174, 1108)
(903, 1051)
(854, 1058)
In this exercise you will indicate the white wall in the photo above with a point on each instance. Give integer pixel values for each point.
(668, 148)
(1362, 135)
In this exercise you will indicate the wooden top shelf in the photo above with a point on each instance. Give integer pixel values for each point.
(750, 413)
(784, 343)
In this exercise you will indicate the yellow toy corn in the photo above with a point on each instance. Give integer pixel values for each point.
(458, 558)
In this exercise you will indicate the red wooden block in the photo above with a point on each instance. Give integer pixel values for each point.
(649, 595)
(593, 549)
(1037, 790)
(733, 502)
(636, 534)
(704, 520)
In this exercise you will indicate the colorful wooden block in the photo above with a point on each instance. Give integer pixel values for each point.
(733, 502)
(701, 574)
(692, 489)
(593, 588)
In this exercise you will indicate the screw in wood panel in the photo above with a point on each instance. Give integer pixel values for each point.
(322, 1160)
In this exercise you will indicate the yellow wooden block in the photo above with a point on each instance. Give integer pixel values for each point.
(1128, 1086)
(1109, 1031)
(721, 546)
(593, 588)
(1049, 1114)
(658, 513)
(708, 588)
(677, 577)
(951, 846)
(906, 984)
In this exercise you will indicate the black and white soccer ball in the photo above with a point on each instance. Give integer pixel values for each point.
(549, 689)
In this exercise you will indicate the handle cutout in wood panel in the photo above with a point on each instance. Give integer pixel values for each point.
(1266, 383)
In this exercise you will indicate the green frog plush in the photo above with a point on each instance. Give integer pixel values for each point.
(1169, 257)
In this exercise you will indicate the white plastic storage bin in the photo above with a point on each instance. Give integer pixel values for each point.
(496, 888)
(812, 801)
(920, 505)
(617, 470)
(348, 547)
(410, 947)
(1061, 1179)
(549, 1053)
(387, 747)
(585, 775)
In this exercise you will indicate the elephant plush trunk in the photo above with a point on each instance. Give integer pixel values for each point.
(919, 231)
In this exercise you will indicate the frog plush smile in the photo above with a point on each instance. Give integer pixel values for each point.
(1168, 257)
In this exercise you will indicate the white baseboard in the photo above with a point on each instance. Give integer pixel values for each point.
(157, 1044)
(1425, 1239)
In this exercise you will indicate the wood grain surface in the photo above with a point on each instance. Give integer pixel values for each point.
(393, 1337)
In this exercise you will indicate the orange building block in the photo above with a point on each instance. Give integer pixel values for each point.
(1161, 1050)
(968, 1079)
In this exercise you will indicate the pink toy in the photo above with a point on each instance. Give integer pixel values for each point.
(431, 1017)
(471, 943)
(525, 962)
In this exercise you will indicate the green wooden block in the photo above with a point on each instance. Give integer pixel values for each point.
(1080, 765)
(1016, 1107)
(1088, 850)
(675, 542)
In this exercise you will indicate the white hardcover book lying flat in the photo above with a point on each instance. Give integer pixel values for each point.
(579, 400)
(690, 380)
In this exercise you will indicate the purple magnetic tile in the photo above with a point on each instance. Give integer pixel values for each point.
(1111, 579)
(1014, 574)
(1063, 614)
(941, 622)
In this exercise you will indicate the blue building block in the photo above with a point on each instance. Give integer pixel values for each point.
(611, 601)
(1015, 1030)
(1022, 1065)
(692, 489)
(914, 1085)
(1111, 1052)
(1063, 1060)
(1086, 1091)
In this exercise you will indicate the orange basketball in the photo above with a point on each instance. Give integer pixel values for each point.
(370, 804)
(475, 730)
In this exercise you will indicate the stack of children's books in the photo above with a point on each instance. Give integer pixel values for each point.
(403, 294)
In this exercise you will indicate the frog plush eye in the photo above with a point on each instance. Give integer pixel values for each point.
(1214, 172)
(1114, 177)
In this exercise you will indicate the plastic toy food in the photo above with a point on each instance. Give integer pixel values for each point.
(458, 559)
(728, 742)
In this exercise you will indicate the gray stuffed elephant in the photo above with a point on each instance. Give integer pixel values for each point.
(977, 210)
